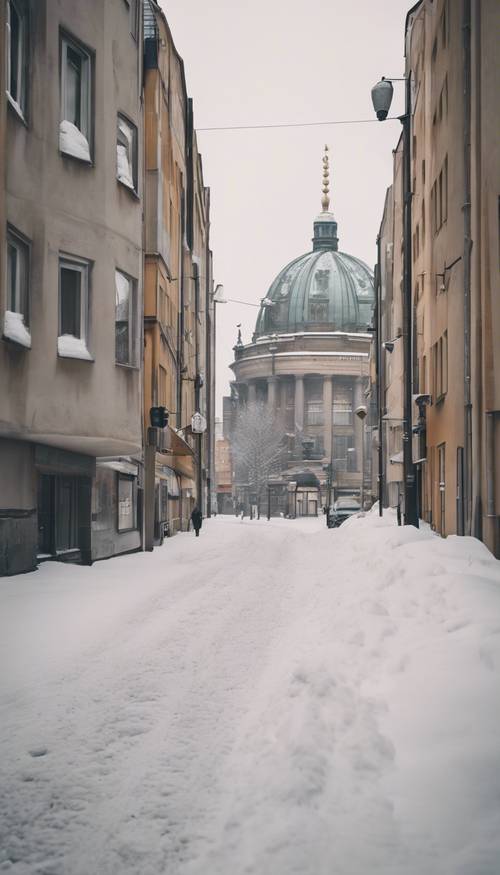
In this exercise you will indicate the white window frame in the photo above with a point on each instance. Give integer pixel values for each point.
(86, 85)
(81, 266)
(132, 319)
(131, 139)
(22, 246)
(18, 104)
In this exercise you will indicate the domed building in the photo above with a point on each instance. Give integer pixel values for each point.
(308, 361)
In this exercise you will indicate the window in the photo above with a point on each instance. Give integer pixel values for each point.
(342, 405)
(444, 26)
(124, 319)
(440, 366)
(126, 503)
(439, 198)
(18, 265)
(16, 50)
(126, 153)
(344, 453)
(75, 130)
(73, 307)
(314, 413)
(16, 317)
(162, 386)
(134, 17)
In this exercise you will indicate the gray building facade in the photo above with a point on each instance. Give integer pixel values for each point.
(71, 281)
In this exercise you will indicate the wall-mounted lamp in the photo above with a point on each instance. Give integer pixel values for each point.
(446, 268)
(388, 345)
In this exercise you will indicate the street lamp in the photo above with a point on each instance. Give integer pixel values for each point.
(382, 94)
(217, 298)
(361, 412)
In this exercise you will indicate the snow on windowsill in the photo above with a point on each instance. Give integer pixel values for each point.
(15, 329)
(73, 348)
(123, 170)
(14, 105)
(72, 142)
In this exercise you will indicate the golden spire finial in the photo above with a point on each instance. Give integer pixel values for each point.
(325, 200)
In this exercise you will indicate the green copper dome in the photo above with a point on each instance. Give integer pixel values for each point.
(324, 290)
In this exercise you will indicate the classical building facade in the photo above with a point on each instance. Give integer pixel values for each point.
(178, 314)
(71, 280)
(308, 362)
(452, 59)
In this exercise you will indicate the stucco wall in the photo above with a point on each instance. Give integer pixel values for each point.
(63, 205)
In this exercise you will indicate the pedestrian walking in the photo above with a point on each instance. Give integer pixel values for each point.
(196, 519)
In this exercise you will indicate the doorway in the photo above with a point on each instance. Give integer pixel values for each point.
(57, 515)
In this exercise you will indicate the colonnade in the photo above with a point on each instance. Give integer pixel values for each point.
(273, 388)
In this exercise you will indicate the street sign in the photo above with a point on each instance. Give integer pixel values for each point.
(198, 423)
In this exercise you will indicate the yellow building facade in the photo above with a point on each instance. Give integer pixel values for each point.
(177, 290)
(452, 59)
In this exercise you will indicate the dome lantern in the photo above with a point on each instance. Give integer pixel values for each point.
(325, 226)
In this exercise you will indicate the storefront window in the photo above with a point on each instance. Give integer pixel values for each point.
(126, 503)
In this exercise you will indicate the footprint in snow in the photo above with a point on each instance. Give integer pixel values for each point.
(38, 752)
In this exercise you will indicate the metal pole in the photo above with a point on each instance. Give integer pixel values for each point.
(149, 487)
(268, 502)
(362, 464)
(380, 393)
(410, 490)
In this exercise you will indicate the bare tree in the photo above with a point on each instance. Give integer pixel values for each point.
(257, 446)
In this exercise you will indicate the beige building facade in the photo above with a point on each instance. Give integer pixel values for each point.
(452, 58)
(71, 280)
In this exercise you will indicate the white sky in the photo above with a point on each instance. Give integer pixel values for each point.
(278, 61)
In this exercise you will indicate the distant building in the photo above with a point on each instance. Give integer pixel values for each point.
(178, 306)
(308, 362)
(223, 474)
(71, 289)
(452, 58)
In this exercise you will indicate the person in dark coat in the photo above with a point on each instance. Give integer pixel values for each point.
(196, 519)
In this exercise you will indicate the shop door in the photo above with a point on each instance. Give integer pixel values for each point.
(46, 545)
(57, 514)
(66, 514)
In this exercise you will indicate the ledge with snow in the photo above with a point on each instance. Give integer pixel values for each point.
(73, 142)
(14, 329)
(73, 348)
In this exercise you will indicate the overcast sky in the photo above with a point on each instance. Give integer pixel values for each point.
(286, 61)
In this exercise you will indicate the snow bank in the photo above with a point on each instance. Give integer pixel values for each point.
(270, 698)
(72, 347)
(15, 329)
(73, 142)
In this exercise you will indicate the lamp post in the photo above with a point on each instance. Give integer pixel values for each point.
(382, 97)
(361, 412)
(217, 298)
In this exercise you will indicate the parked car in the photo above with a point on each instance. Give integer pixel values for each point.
(340, 510)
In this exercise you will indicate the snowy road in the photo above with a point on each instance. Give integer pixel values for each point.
(271, 698)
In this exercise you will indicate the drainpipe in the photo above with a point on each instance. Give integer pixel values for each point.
(470, 526)
(378, 366)
(490, 464)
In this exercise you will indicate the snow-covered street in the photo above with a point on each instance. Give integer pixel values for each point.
(270, 698)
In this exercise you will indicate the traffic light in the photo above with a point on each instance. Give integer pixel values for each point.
(158, 416)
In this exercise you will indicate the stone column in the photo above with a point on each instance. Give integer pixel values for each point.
(272, 392)
(252, 393)
(299, 403)
(328, 415)
(358, 423)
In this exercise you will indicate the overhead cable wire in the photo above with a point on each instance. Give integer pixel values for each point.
(352, 121)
